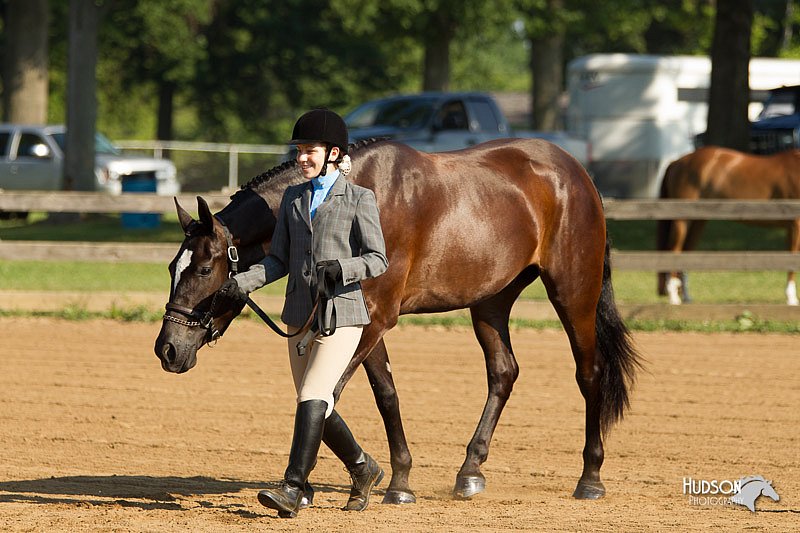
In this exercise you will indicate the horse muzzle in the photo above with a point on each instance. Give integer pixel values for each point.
(175, 356)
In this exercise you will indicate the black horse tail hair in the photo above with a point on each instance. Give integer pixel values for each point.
(664, 228)
(620, 358)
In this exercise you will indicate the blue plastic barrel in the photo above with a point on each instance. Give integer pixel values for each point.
(139, 220)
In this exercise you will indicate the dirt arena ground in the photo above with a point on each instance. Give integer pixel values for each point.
(94, 436)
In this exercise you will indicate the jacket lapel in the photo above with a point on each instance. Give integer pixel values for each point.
(303, 204)
(334, 196)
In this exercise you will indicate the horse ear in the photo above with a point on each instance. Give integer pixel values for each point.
(206, 219)
(183, 216)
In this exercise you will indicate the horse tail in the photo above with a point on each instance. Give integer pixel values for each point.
(617, 350)
(664, 227)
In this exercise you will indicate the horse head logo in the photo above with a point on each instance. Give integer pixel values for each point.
(750, 488)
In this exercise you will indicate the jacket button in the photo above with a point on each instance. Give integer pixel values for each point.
(308, 252)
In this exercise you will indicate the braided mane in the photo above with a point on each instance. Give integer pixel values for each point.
(265, 176)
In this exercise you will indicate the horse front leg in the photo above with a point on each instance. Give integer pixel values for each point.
(491, 328)
(379, 373)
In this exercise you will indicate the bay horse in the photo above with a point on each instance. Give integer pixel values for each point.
(712, 172)
(464, 229)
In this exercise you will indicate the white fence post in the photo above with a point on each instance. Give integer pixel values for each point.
(233, 168)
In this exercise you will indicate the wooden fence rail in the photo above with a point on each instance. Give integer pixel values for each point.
(90, 202)
(84, 202)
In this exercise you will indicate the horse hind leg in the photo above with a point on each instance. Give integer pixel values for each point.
(490, 324)
(684, 237)
(692, 240)
(605, 360)
(380, 378)
(677, 238)
(794, 246)
(577, 314)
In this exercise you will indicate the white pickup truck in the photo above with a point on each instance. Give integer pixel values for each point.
(32, 158)
(438, 122)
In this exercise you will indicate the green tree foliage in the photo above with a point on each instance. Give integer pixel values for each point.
(270, 60)
(242, 70)
(438, 30)
(154, 48)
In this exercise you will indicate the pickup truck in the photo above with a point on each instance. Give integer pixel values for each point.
(777, 126)
(439, 122)
(32, 158)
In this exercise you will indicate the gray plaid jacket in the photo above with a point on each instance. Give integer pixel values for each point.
(346, 227)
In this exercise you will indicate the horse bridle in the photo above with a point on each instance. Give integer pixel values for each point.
(195, 318)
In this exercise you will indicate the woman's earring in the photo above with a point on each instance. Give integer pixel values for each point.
(345, 166)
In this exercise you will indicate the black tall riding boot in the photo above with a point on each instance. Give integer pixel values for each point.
(308, 425)
(364, 471)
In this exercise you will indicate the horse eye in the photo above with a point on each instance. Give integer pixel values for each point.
(205, 271)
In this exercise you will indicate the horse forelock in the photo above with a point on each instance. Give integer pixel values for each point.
(196, 228)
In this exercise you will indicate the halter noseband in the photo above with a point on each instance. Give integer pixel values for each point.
(206, 319)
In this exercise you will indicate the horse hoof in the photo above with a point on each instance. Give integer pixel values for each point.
(468, 486)
(399, 497)
(589, 491)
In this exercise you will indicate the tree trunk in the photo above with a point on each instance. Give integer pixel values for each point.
(81, 99)
(25, 78)
(441, 27)
(729, 93)
(166, 94)
(548, 75)
(788, 26)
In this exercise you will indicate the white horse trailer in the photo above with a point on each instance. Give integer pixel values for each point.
(641, 112)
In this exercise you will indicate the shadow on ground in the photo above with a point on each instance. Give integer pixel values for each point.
(144, 492)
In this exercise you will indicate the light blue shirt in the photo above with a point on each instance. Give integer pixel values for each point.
(322, 186)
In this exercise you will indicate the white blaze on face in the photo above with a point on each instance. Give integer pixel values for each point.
(183, 262)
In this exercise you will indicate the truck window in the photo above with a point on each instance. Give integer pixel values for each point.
(5, 137)
(414, 112)
(452, 116)
(27, 142)
(483, 114)
(779, 104)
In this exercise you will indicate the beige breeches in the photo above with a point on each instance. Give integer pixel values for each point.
(317, 373)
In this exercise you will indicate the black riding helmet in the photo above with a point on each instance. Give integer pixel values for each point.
(321, 125)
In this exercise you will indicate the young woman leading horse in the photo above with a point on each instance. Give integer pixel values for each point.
(327, 236)
(712, 172)
(464, 229)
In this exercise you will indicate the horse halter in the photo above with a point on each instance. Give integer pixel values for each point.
(195, 318)
(206, 319)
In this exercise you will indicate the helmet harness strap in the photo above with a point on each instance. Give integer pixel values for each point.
(324, 170)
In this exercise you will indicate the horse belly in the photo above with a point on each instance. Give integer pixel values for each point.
(466, 274)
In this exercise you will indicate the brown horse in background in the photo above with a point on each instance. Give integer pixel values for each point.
(720, 173)
(464, 229)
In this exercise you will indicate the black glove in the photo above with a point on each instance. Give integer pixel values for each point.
(231, 291)
(328, 273)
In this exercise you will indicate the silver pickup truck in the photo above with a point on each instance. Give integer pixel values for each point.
(438, 122)
(32, 158)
